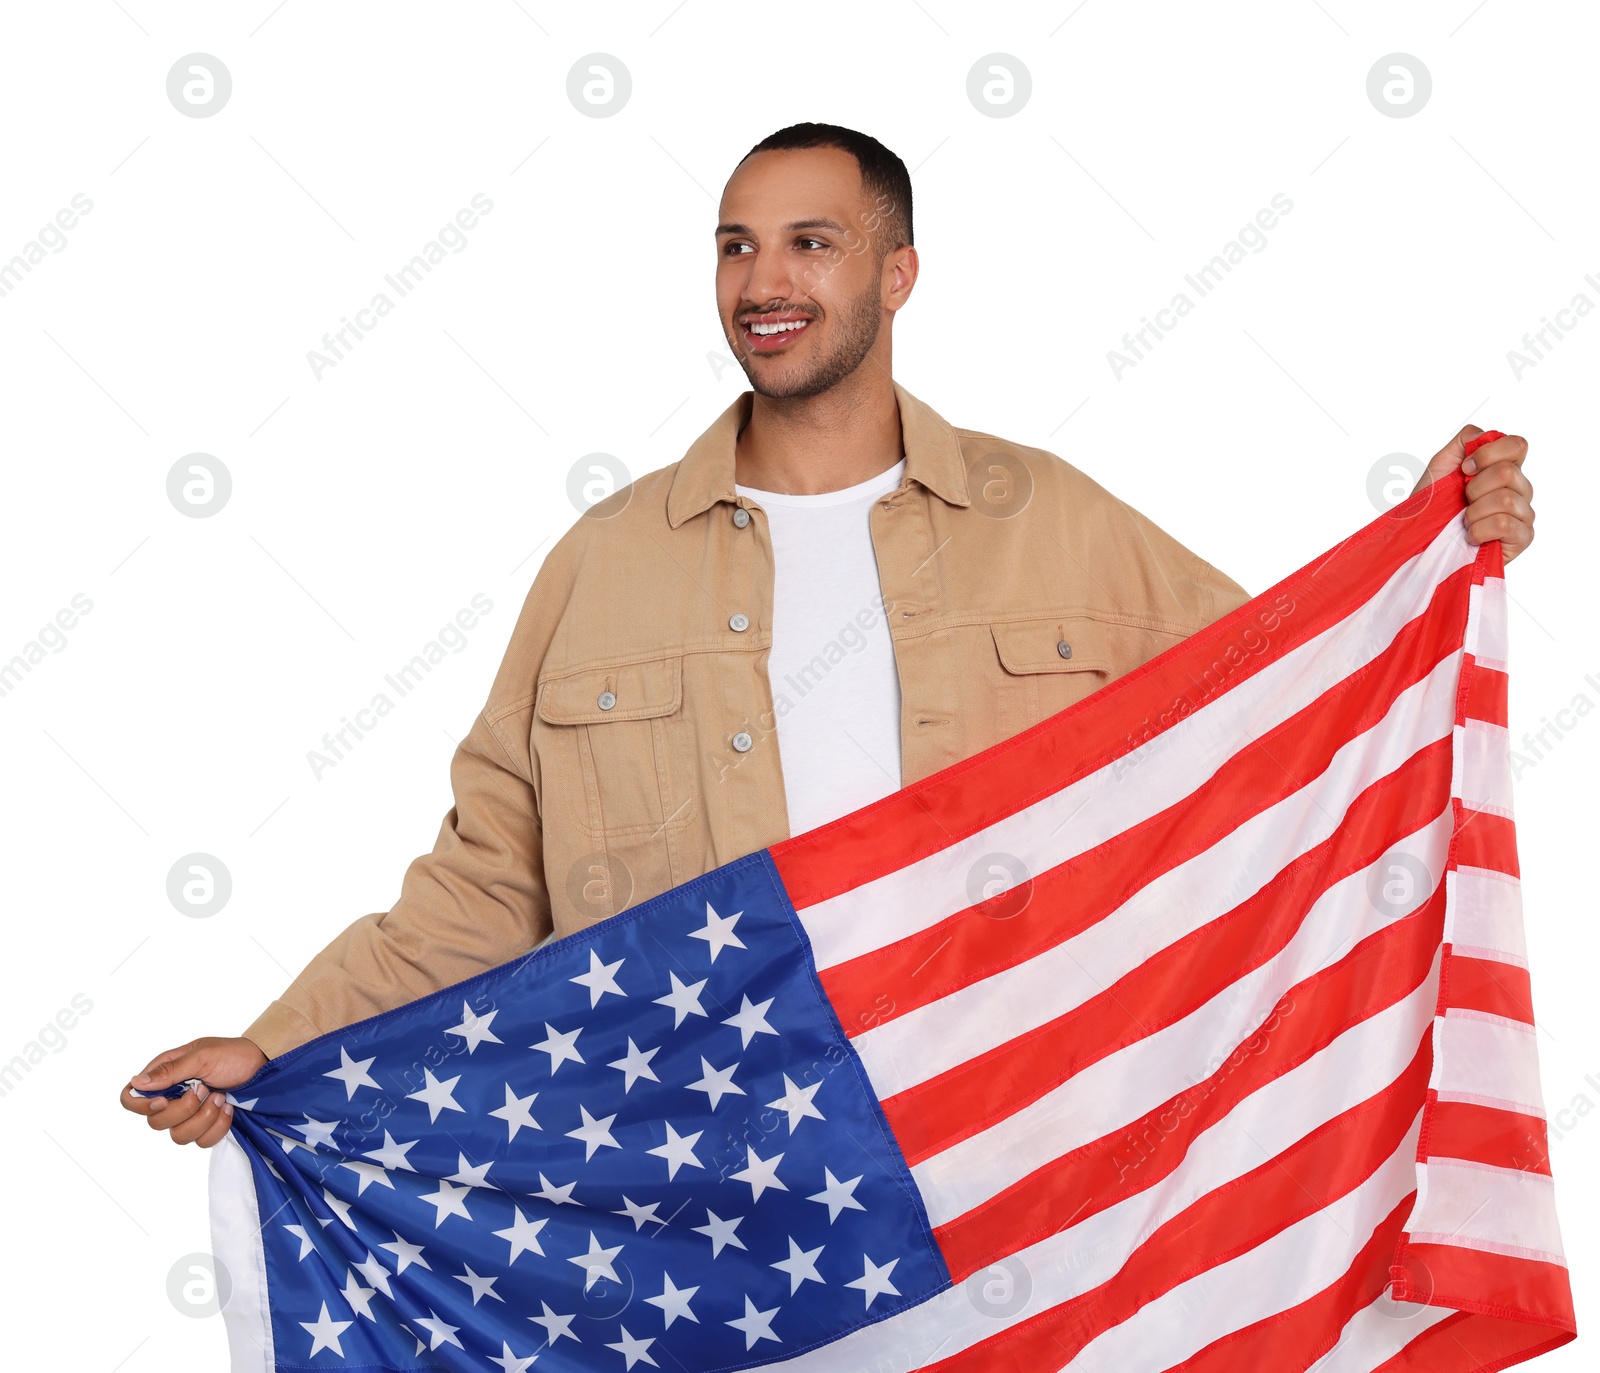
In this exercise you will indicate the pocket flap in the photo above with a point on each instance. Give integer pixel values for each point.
(1033, 645)
(642, 691)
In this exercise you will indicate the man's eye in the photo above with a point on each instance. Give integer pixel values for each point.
(729, 249)
(817, 241)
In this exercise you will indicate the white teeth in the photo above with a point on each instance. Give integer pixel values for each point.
(776, 328)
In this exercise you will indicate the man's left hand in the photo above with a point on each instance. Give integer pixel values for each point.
(1499, 496)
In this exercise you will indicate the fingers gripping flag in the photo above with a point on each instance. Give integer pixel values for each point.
(1189, 1029)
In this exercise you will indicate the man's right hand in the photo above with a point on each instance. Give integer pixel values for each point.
(200, 1116)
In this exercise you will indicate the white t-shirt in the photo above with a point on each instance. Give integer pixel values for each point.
(835, 688)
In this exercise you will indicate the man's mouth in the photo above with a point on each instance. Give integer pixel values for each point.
(774, 332)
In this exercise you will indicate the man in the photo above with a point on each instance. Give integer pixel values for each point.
(833, 594)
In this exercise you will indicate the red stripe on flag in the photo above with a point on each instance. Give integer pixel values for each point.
(1381, 970)
(1174, 982)
(1484, 984)
(1485, 840)
(968, 946)
(1487, 693)
(1485, 1134)
(1298, 1337)
(1311, 1174)
(928, 815)
(1489, 1284)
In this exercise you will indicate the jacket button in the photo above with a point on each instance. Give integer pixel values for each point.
(1064, 649)
(741, 517)
(739, 623)
(606, 700)
(742, 742)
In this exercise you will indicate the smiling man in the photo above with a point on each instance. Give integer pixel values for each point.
(834, 593)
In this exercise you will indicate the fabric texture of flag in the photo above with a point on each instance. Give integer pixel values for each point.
(1188, 1029)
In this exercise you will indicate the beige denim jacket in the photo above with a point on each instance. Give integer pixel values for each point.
(629, 741)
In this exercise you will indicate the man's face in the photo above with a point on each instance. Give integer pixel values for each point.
(801, 290)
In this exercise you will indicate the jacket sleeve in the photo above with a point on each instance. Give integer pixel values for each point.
(478, 899)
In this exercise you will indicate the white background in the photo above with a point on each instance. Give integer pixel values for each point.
(369, 505)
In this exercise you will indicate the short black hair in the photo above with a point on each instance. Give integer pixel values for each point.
(883, 175)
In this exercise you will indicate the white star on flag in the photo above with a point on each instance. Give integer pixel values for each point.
(516, 1114)
(801, 1265)
(797, 1102)
(556, 1326)
(559, 1046)
(449, 1202)
(472, 1176)
(720, 1232)
(436, 1095)
(352, 1073)
(837, 1196)
(678, 1150)
(756, 1325)
(600, 979)
(718, 932)
(475, 1028)
(480, 1285)
(597, 1262)
(717, 1082)
(593, 1133)
(634, 1065)
(318, 1131)
(512, 1363)
(523, 1235)
(359, 1297)
(875, 1280)
(556, 1196)
(761, 1174)
(751, 1021)
(639, 1214)
(392, 1155)
(634, 1351)
(339, 1207)
(441, 1331)
(325, 1332)
(683, 1001)
(369, 1173)
(375, 1273)
(406, 1254)
(674, 1301)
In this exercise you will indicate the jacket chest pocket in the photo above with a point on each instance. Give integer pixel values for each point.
(1050, 664)
(616, 753)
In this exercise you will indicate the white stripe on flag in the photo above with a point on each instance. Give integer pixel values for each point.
(236, 1246)
(1488, 1060)
(1483, 758)
(1502, 1210)
(1486, 622)
(1486, 916)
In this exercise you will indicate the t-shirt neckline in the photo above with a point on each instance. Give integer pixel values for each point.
(885, 481)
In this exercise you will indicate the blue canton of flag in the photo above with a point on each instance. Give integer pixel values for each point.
(651, 1145)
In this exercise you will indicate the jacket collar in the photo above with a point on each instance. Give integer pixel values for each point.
(706, 473)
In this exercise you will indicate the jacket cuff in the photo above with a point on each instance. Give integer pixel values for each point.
(280, 1028)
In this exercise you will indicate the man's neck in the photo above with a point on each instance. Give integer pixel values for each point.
(808, 445)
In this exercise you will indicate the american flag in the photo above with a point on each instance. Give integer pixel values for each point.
(1189, 1029)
